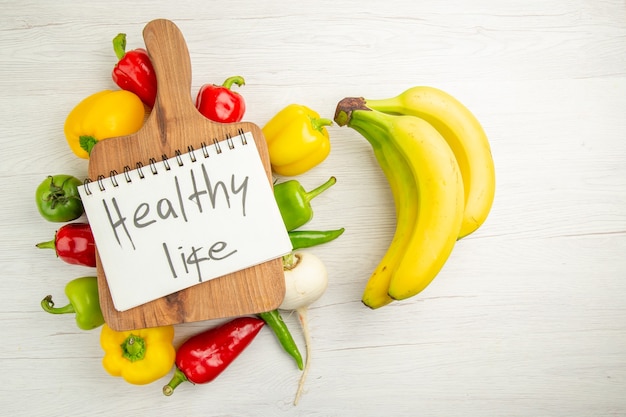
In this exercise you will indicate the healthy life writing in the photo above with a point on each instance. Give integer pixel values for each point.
(192, 193)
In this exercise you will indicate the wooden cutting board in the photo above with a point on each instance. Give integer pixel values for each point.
(175, 124)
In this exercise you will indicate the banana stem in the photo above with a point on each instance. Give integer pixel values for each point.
(346, 106)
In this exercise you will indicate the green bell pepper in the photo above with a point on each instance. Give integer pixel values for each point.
(84, 301)
(294, 202)
(57, 198)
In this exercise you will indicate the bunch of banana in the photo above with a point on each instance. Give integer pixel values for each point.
(437, 160)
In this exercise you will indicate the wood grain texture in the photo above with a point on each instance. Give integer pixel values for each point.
(526, 318)
(174, 125)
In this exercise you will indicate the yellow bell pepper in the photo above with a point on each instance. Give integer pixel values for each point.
(103, 115)
(139, 356)
(297, 140)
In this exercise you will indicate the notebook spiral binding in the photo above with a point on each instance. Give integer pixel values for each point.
(165, 161)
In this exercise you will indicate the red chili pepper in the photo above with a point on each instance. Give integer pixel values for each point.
(206, 355)
(74, 244)
(220, 103)
(134, 71)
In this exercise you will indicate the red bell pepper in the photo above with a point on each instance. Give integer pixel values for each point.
(134, 71)
(220, 103)
(203, 357)
(74, 244)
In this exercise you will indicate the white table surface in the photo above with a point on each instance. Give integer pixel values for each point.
(526, 319)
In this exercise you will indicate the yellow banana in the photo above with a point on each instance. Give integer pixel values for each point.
(439, 199)
(466, 137)
(404, 192)
(440, 205)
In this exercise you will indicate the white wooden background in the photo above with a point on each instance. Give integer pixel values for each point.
(528, 318)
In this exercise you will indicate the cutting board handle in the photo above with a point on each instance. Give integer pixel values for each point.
(175, 125)
(170, 57)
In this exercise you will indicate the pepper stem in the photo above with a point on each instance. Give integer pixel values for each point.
(119, 45)
(134, 348)
(234, 80)
(319, 122)
(87, 143)
(48, 305)
(57, 194)
(178, 378)
(51, 244)
(317, 191)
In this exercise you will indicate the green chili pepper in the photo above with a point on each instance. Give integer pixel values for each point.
(83, 296)
(276, 323)
(308, 238)
(294, 201)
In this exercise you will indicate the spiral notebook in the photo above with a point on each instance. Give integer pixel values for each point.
(184, 219)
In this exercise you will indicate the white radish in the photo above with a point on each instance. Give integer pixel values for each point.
(306, 279)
